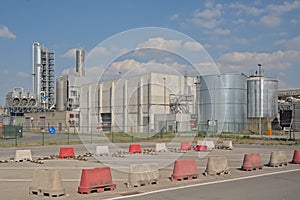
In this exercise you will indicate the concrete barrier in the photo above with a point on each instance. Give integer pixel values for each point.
(47, 183)
(22, 155)
(217, 165)
(160, 147)
(210, 144)
(102, 150)
(143, 174)
(278, 158)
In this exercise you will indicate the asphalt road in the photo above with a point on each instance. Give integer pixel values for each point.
(273, 186)
(277, 182)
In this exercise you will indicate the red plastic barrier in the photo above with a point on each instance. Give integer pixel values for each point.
(96, 180)
(247, 163)
(296, 157)
(252, 162)
(185, 170)
(256, 161)
(135, 148)
(66, 153)
(185, 146)
(201, 148)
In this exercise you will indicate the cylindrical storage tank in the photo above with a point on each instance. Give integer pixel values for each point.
(37, 62)
(32, 99)
(15, 98)
(223, 100)
(262, 94)
(61, 94)
(24, 99)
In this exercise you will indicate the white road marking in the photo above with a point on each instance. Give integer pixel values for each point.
(202, 184)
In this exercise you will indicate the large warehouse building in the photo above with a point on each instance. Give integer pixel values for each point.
(162, 102)
(144, 103)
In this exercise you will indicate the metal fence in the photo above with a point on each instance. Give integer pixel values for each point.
(36, 136)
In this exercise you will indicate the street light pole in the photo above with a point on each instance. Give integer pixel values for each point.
(260, 102)
(164, 80)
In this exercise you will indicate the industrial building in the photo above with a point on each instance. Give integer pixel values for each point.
(157, 102)
(42, 96)
(150, 103)
(43, 75)
(145, 103)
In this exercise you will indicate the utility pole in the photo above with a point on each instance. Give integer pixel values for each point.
(260, 100)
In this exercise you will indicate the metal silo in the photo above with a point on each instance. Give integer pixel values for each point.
(223, 101)
(262, 97)
(61, 93)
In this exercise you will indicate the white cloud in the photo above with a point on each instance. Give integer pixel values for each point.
(132, 67)
(242, 61)
(160, 43)
(23, 75)
(220, 31)
(271, 14)
(242, 41)
(285, 7)
(246, 9)
(6, 33)
(209, 24)
(4, 71)
(174, 17)
(270, 20)
(293, 43)
(101, 51)
(68, 71)
(294, 21)
(71, 53)
(208, 18)
(193, 46)
(239, 21)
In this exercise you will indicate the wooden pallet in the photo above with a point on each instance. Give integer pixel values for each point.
(252, 169)
(46, 194)
(153, 182)
(186, 177)
(218, 174)
(97, 189)
(278, 164)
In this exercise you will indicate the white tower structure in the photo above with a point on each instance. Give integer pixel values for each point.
(43, 75)
(80, 65)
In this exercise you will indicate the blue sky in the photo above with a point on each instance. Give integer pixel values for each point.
(236, 34)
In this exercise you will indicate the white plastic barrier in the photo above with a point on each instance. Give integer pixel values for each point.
(22, 155)
(102, 150)
(143, 174)
(160, 147)
(210, 144)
